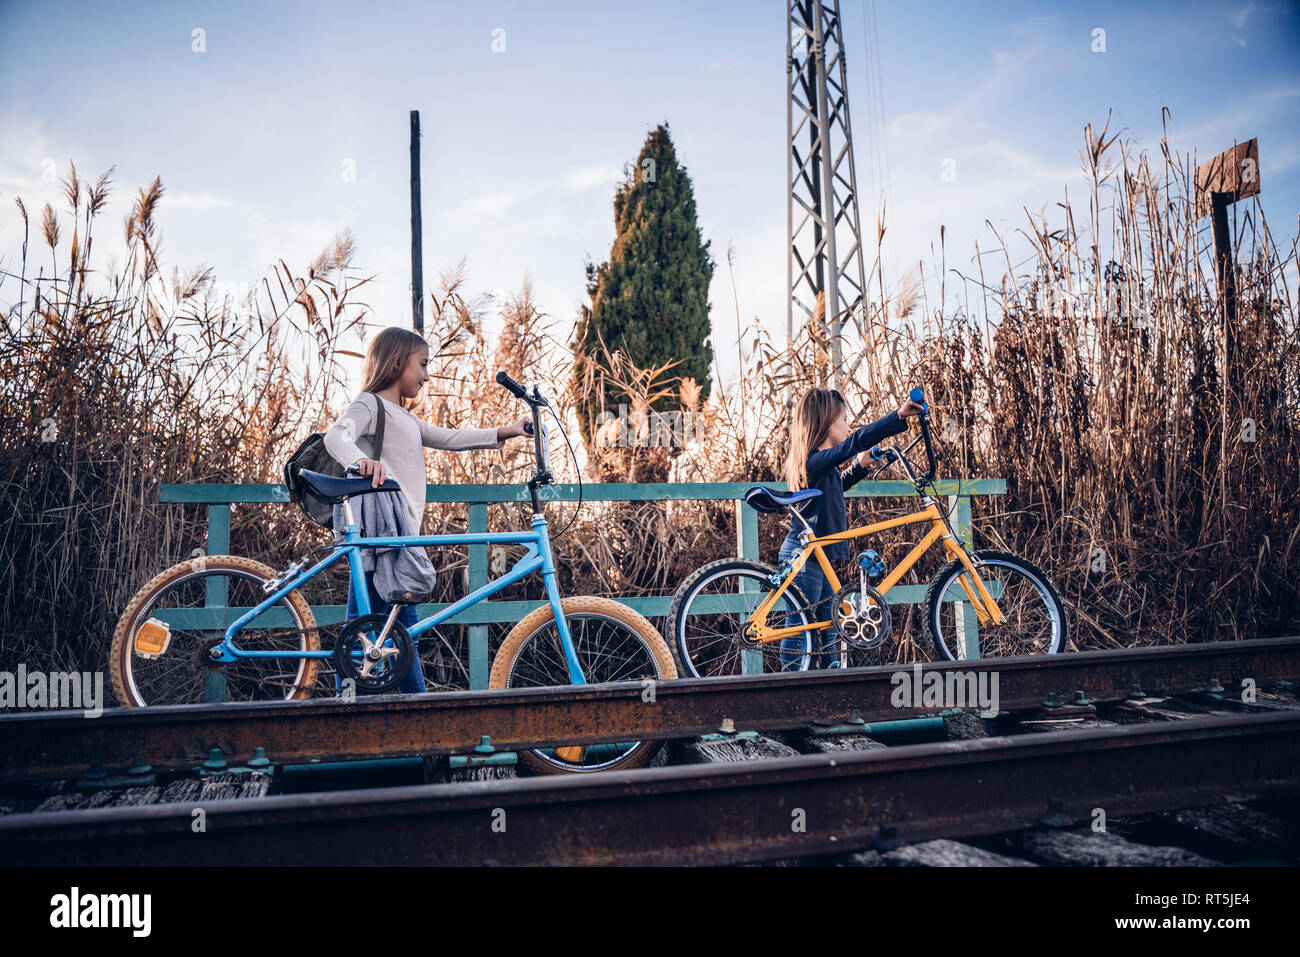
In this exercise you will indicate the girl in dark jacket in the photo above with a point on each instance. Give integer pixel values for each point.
(820, 442)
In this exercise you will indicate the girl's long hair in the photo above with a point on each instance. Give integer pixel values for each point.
(813, 417)
(387, 356)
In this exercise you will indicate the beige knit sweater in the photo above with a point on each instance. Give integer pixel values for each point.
(352, 437)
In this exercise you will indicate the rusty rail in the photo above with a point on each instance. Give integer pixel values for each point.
(65, 744)
(716, 814)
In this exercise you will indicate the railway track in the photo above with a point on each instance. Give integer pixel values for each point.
(717, 814)
(1155, 730)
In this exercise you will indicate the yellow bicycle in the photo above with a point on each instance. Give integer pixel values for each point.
(737, 616)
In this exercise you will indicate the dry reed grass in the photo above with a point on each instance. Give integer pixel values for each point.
(1118, 430)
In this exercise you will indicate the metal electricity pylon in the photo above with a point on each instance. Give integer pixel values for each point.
(822, 200)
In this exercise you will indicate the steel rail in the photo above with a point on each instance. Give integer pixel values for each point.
(46, 745)
(713, 814)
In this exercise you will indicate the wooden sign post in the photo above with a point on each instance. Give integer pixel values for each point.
(1230, 176)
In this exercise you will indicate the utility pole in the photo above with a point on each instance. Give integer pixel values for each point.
(822, 218)
(417, 228)
(1229, 177)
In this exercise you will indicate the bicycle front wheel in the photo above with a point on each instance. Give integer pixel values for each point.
(709, 617)
(612, 642)
(159, 653)
(1035, 615)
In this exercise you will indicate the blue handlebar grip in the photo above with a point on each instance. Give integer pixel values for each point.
(877, 454)
(916, 395)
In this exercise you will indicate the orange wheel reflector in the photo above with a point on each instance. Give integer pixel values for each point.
(152, 638)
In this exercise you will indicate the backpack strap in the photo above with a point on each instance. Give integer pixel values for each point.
(379, 426)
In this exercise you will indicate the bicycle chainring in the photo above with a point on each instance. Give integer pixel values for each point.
(374, 666)
(862, 622)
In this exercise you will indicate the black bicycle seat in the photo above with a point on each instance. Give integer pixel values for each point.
(333, 489)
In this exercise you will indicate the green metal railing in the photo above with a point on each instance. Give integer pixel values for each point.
(219, 499)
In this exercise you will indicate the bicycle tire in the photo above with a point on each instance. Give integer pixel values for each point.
(1036, 577)
(509, 667)
(689, 658)
(123, 660)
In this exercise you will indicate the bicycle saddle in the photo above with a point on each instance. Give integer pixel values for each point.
(763, 499)
(333, 489)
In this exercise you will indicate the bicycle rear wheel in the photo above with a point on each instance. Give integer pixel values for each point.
(1035, 615)
(612, 642)
(160, 645)
(711, 609)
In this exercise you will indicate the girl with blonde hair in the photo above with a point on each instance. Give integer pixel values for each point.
(396, 369)
(820, 442)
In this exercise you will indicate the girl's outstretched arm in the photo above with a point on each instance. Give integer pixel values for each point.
(456, 440)
(854, 474)
(822, 461)
(436, 437)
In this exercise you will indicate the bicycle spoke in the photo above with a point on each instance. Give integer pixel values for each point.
(710, 630)
(1034, 622)
(183, 674)
(607, 650)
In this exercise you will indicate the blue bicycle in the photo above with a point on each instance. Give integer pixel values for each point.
(176, 641)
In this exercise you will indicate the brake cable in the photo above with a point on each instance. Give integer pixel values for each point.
(577, 471)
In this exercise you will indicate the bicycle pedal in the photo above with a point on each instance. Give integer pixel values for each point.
(573, 754)
(871, 563)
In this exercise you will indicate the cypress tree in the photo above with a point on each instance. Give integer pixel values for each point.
(651, 299)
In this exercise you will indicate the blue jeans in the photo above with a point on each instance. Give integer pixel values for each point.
(816, 589)
(413, 683)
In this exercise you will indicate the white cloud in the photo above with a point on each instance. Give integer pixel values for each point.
(1239, 19)
(582, 178)
(1015, 165)
(18, 181)
(1007, 73)
(1218, 133)
(32, 165)
(1280, 157)
(919, 126)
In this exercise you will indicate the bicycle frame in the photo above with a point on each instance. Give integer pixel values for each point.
(981, 601)
(538, 558)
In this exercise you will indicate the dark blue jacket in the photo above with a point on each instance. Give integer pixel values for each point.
(826, 513)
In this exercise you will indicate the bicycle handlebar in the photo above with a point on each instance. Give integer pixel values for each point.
(512, 386)
(891, 454)
(537, 430)
(917, 395)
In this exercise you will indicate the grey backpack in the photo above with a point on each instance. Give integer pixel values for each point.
(314, 457)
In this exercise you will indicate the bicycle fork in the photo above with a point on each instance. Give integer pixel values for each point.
(553, 595)
(572, 753)
(986, 609)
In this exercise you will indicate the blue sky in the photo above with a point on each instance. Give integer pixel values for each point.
(523, 148)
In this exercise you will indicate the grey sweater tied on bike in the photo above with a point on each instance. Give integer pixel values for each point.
(402, 573)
